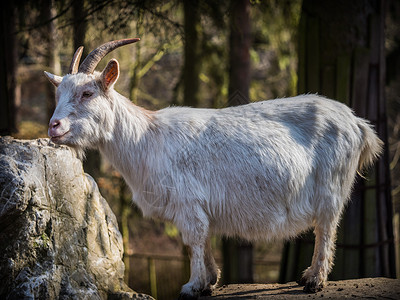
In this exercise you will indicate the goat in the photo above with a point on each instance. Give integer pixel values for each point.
(265, 170)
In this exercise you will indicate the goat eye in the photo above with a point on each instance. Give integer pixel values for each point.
(87, 94)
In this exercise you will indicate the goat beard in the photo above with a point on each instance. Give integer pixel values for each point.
(80, 146)
(80, 153)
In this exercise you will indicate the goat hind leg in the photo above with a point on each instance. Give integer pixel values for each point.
(314, 278)
(212, 270)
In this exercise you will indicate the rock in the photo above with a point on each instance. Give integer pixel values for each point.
(59, 238)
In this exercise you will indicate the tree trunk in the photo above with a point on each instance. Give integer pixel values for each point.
(52, 57)
(79, 25)
(8, 69)
(135, 78)
(341, 56)
(192, 59)
(239, 53)
(238, 255)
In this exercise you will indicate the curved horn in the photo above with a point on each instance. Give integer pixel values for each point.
(94, 57)
(73, 67)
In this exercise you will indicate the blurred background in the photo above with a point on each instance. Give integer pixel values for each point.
(216, 54)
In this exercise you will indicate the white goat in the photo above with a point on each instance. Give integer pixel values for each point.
(265, 170)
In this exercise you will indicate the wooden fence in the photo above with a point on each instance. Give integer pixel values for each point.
(162, 276)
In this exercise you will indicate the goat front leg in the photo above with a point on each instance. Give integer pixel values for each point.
(194, 235)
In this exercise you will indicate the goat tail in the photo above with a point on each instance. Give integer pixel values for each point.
(372, 145)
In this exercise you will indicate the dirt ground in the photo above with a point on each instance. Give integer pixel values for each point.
(366, 288)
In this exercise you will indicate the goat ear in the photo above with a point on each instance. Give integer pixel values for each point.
(54, 79)
(110, 74)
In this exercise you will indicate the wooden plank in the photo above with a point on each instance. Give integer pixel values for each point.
(343, 74)
(313, 57)
(370, 226)
(285, 260)
(374, 39)
(291, 264)
(152, 277)
(375, 45)
(338, 267)
(372, 104)
(328, 87)
(360, 81)
(352, 226)
(301, 84)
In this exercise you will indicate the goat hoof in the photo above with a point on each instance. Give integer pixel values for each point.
(312, 287)
(206, 292)
(184, 296)
(302, 281)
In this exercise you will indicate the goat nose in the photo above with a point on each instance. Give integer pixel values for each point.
(54, 124)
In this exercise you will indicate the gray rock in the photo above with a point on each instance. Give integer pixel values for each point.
(59, 238)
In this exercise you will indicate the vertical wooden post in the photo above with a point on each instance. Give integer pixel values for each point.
(152, 277)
